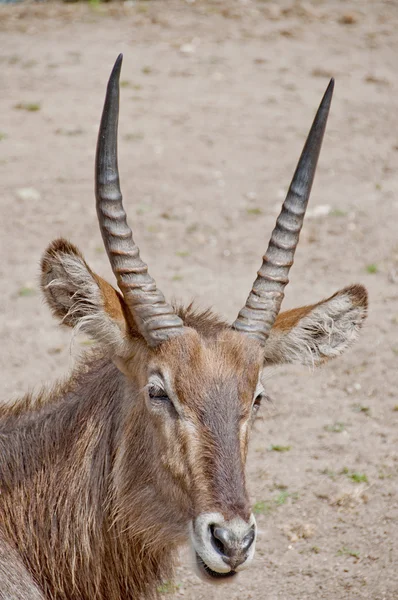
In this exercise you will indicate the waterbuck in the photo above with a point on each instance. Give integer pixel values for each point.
(143, 449)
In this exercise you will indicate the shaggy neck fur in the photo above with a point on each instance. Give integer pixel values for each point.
(69, 482)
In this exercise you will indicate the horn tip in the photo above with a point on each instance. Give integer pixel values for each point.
(117, 67)
(330, 87)
(327, 97)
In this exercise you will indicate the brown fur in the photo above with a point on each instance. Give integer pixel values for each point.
(113, 302)
(99, 482)
(58, 499)
(93, 515)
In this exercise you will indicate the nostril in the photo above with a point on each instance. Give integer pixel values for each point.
(221, 539)
(231, 543)
(248, 540)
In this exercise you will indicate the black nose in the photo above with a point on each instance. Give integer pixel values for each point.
(232, 545)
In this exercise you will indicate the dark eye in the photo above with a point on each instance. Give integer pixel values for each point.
(257, 402)
(157, 394)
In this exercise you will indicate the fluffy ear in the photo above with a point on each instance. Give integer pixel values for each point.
(311, 335)
(82, 299)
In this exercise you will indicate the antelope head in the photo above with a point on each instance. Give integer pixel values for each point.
(198, 379)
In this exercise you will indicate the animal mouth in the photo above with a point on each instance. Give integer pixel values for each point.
(208, 573)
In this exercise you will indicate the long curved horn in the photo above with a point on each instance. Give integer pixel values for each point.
(154, 318)
(263, 304)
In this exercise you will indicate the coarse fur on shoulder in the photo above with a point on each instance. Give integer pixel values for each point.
(67, 467)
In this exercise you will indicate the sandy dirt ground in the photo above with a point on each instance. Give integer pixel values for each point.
(217, 98)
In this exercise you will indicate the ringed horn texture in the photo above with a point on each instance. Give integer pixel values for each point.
(263, 304)
(154, 318)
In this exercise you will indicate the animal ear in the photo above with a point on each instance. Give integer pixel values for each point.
(82, 299)
(311, 335)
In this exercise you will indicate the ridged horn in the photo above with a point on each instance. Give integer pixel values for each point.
(263, 304)
(154, 318)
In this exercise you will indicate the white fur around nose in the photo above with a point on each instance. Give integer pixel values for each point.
(201, 539)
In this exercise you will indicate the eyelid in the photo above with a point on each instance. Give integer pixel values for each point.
(161, 381)
(153, 387)
(155, 392)
(156, 381)
(259, 390)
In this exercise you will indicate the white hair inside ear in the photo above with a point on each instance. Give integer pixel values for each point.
(81, 299)
(314, 334)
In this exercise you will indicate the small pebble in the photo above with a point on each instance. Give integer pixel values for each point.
(28, 194)
(187, 49)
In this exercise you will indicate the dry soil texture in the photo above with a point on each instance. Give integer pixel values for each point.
(217, 98)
